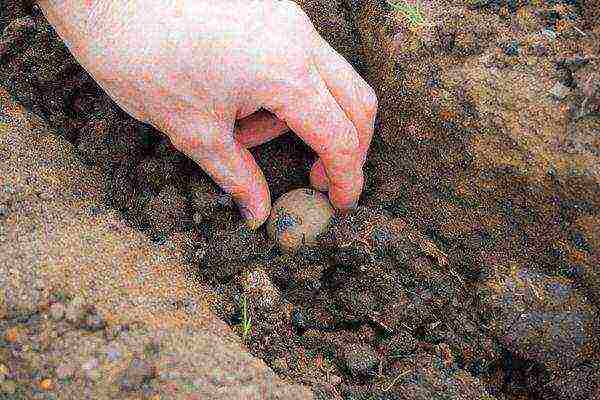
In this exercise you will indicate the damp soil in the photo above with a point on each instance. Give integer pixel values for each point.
(469, 270)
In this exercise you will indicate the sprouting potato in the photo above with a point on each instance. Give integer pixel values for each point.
(298, 217)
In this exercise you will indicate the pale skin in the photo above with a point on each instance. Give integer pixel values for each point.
(192, 68)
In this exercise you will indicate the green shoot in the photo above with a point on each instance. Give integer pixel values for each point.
(246, 319)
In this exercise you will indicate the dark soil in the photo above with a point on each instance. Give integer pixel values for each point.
(470, 269)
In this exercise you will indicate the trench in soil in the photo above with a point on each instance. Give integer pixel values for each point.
(354, 315)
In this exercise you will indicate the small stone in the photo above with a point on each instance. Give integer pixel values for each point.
(74, 311)
(198, 218)
(260, 289)
(12, 335)
(361, 360)
(539, 50)
(57, 311)
(90, 364)
(335, 380)
(279, 364)
(94, 322)
(3, 372)
(135, 375)
(511, 49)
(113, 354)
(559, 91)
(46, 384)
(298, 217)
(549, 33)
(8, 387)
(64, 371)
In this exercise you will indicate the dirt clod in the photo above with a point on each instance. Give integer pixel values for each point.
(361, 360)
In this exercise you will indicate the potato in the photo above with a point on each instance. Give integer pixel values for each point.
(298, 217)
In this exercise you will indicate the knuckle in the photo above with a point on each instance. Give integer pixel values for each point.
(371, 100)
(217, 144)
(292, 7)
(296, 14)
(345, 144)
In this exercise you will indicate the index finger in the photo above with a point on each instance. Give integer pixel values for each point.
(310, 110)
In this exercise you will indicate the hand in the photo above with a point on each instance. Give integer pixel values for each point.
(191, 68)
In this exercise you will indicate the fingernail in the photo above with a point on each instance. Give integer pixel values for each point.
(349, 208)
(249, 217)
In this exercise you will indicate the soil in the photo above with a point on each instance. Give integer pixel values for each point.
(470, 268)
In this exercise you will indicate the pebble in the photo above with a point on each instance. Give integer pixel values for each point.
(361, 360)
(298, 320)
(279, 364)
(113, 354)
(335, 380)
(3, 372)
(559, 91)
(260, 289)
(511, 49)
(94, 322)
(57, 311)
(74, 311)
(12, 335)
(46, 384)
(8, 387)
(135, 375)
(90, 364)
(64, 371)
(549, 33)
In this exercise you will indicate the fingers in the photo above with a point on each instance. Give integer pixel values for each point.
(258, 128)
(210, 144)
(318, 177)
(352, 93)
(310, 110)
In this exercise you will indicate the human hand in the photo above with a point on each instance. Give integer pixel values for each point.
(191, 68)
